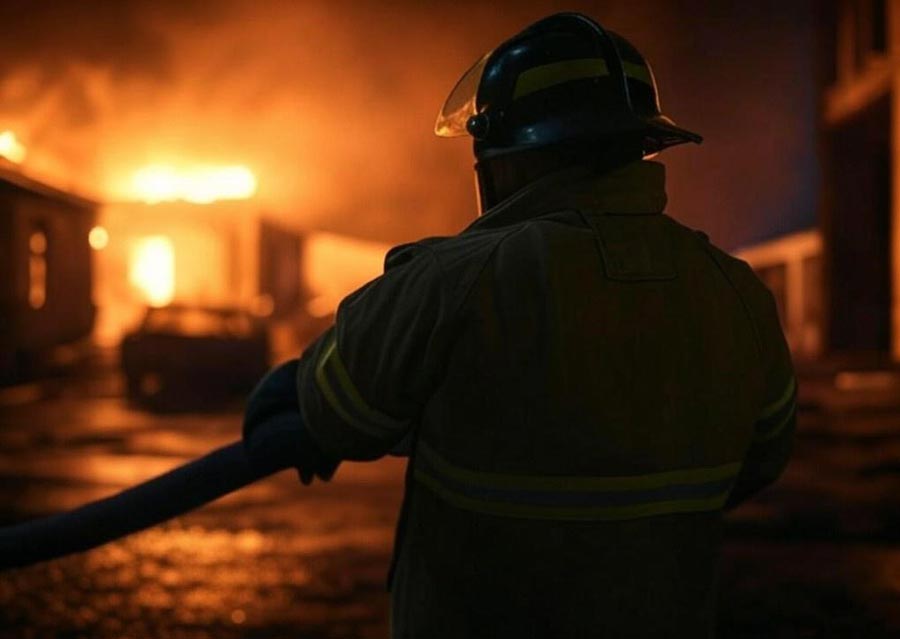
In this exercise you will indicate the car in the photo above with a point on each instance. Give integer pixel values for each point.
(185, 357)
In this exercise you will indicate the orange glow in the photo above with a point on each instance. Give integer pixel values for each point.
(199, 185)
(37, 243)
(10, 147)
(321, 305)
(238, 616)
(37, 269)
(98, 238)
(336, 265)
(152, 269)
(262, 305)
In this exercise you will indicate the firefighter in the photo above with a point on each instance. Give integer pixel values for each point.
(582, 384)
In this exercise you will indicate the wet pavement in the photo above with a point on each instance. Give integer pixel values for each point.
(816, 556)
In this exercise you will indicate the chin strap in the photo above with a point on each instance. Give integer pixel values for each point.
(171, 494)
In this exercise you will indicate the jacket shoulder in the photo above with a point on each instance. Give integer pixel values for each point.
(454, 255)
(737, 270)
(404, 253)
(755, 295)
(454, 262)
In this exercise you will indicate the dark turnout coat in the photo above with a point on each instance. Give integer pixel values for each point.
(583, 385)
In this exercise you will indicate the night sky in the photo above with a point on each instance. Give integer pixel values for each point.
(333, 104)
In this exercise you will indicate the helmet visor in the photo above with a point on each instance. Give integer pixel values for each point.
(460, 104)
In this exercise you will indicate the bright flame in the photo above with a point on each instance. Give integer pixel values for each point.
(98, 238)
(153, 269)
(10, 147)
(200, 185)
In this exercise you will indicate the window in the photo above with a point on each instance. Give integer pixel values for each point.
(152, 269)
(37, 269)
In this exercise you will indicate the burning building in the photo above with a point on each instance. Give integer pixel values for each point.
(45, 302)
(81, 269)
(224, 253)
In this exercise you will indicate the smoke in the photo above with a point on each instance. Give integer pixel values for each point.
(330, 104)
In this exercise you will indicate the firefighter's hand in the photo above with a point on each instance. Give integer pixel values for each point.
(275, 437)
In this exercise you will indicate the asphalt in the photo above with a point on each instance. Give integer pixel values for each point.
(817, 555)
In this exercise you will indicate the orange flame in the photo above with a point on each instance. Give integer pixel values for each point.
(199, 185)
(152, 269)
(11, 148)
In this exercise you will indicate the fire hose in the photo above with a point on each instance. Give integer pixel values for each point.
(171, 494)
(274, 439)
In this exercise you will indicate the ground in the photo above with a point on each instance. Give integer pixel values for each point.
(815, 556)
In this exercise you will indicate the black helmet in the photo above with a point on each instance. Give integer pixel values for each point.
(563, 79)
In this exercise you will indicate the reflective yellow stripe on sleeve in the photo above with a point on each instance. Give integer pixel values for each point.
(775, 417)
(780, 403)
(342, 395)
(576, 498)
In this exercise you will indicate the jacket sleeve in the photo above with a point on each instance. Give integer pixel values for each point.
(773, 433)
(363, 383)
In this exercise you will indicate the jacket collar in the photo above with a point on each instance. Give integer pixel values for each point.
(638, 188)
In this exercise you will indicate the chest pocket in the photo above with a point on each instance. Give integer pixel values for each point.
(634, 248)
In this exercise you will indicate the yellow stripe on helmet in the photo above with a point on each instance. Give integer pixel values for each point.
(548, 75)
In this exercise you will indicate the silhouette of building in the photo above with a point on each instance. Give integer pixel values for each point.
(45, 301)
(861, 199)
(838, 285)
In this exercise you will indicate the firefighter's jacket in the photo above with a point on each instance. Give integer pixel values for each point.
(583, 384)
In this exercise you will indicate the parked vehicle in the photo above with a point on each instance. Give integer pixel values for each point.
(184, 357)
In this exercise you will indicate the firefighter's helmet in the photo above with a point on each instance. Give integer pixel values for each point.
(563, 79)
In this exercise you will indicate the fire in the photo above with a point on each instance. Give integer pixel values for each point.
(335, 266)
(10, 147)
(152, 269)
(199, 185)
(98, 238)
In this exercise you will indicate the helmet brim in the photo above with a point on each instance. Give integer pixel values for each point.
(670, 133)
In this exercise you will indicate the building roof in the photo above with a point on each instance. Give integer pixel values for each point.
(9, 174)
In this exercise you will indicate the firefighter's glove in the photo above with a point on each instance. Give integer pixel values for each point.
(275, 436)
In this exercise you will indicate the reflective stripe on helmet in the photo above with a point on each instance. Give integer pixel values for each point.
(548, 75)
(777, 415)
(339, 390)
(576, 497)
